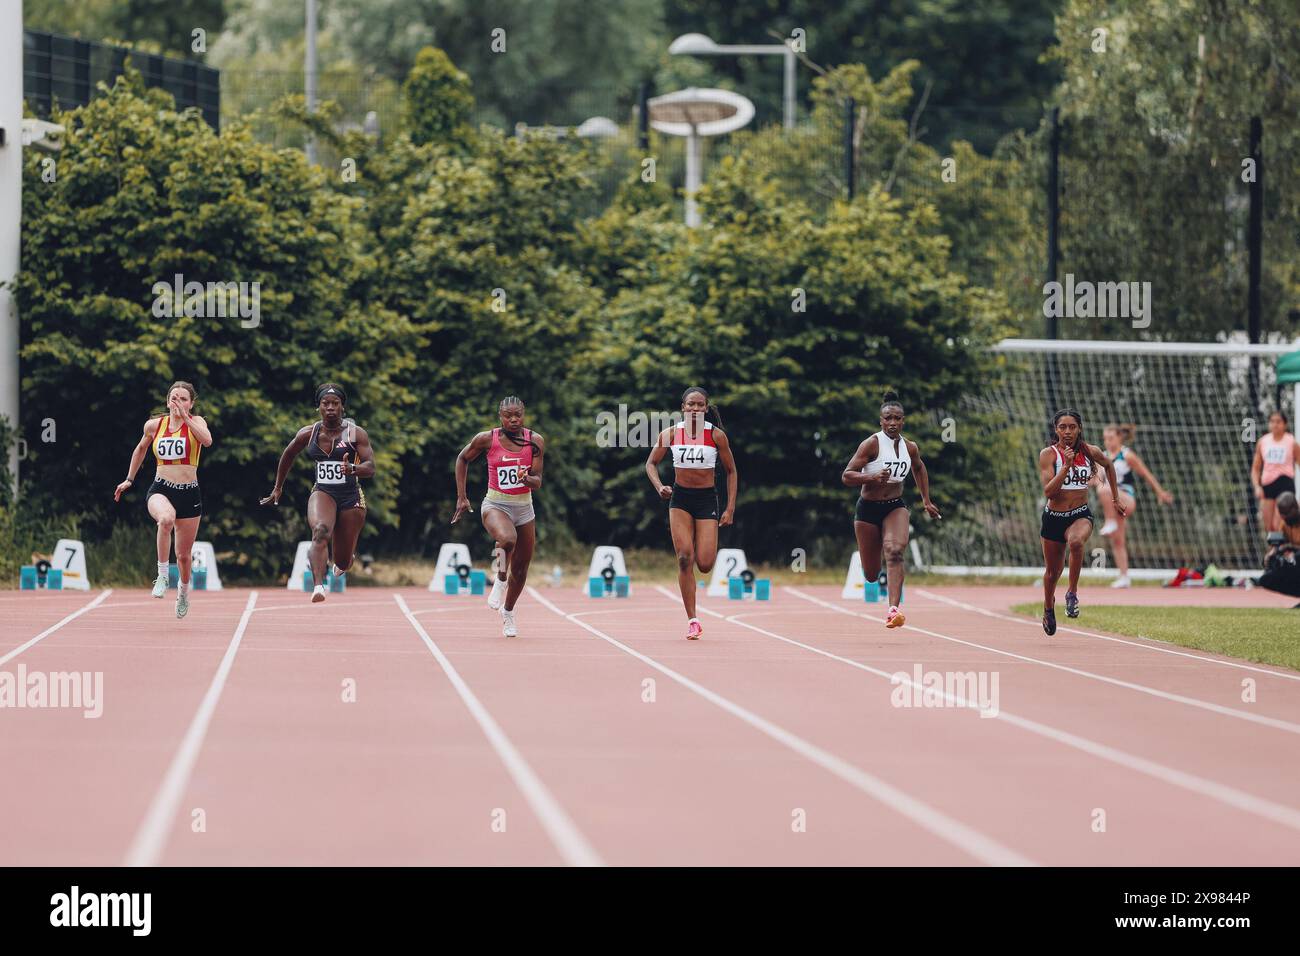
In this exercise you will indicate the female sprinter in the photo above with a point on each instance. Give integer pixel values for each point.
(1273, 470)
(336, 509)
(1065, 467)
(173, 499)
(1127, 464)
(879, 467)
(514, 459)
(696, 445)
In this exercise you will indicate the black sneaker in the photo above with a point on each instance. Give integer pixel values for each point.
(1071, 604)
(1049, 621)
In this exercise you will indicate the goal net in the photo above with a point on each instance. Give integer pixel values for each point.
(1198, 410)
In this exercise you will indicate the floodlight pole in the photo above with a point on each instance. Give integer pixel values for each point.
(11, 204)
(309, 77)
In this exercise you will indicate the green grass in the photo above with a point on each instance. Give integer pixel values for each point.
(1263, 635)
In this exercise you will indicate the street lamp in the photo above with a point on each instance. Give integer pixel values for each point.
(697, 44)
(695, 114)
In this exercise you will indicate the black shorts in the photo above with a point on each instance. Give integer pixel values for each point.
(1279, 485)
(185, 499)
(1056, 523)
(873, 512)
(699, 503)
(344, 497)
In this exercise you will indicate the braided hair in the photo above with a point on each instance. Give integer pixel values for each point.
(517, 437)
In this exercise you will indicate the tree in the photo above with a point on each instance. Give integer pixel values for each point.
(142, 194)
(1157, 127)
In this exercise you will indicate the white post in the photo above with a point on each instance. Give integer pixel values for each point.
(693, 144)
(309, 70)
(11, 204)
(789, 86)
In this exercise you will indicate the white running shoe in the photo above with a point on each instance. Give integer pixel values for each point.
(1110, 527)
(318, 594)
(182, 606)
(508, 624)
(160, 586)
(1120, 582)
(497, 595)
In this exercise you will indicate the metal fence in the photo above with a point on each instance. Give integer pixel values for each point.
(66, 71)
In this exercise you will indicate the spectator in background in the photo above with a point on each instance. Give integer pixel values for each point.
(1273, 470)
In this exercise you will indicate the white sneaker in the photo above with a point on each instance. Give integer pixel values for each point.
(1110, 527)
(318, 594)
(508, 624)
(1120, 582)
(160, 586)
(498, 594)
(182, 606)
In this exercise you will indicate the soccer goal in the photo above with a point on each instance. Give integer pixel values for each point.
(1196, 427)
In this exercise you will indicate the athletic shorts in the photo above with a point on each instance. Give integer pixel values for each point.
(185, 499)
(520, 514)
(1056, 523)
(699, 503)
(874, 512)
(344, 497)
(1279, 485)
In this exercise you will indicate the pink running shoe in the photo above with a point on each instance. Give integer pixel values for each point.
(693, 631)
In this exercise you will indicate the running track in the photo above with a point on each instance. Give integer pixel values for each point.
(226, 740)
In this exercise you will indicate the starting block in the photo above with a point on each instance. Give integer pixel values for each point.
(466, 580)
(747, 586)
(874, 591)
(452, 556)
(730, 563)
(607, 576)
(609, 584)
(336, 585)
(69, 559)
(40, 576)
(198, 577)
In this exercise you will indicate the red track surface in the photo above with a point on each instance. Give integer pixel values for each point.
(784, 712)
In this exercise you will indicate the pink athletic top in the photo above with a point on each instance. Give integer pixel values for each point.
(1279, 458)
(506, 469)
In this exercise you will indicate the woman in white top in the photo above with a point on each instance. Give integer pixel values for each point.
(697, 446)
(880, 523)
(1273, 470)
(1127, 464)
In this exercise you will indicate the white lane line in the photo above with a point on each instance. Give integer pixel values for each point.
(1107, 637)
(564, 833)
(151, 838)
(976, 844)
(99, 599)
(306, 605)
(1276, 812)
(1275, 722)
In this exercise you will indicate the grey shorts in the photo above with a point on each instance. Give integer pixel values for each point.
(518, 514)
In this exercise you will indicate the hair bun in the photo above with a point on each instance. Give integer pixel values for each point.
(891, 396)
